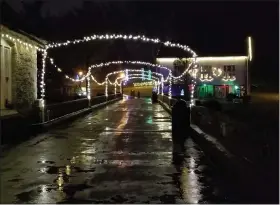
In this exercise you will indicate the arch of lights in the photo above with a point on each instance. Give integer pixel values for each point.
(109, 37)
(157, 79)
(112, 63)
(135, 70)
(139, 76)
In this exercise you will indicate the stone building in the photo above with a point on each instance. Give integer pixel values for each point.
(19, 54)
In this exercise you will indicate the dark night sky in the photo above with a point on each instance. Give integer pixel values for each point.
(210, 28)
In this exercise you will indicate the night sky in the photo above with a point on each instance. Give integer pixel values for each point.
(210, 28)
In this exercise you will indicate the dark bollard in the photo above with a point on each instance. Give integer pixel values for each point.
(180, 122)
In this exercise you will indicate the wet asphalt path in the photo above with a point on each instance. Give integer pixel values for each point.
(120, 154)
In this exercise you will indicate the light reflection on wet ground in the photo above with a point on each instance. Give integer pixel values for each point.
(122, 154)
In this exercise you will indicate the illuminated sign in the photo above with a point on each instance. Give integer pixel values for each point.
(142, 84)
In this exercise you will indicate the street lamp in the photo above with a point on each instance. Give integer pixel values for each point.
(80, 73)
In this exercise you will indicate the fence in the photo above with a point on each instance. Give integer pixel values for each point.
(57, 110)
(166, 100)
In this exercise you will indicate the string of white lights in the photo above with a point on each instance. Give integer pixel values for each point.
(126, 76)
(124, 37)
(97, 81)
(141, 38)
(88, 88)
(129, 62)
(23, 43)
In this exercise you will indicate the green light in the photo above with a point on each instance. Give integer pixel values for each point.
(204, 84)
(236, 87)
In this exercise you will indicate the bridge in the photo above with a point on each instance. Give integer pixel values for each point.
(122, 153)
(118, 148)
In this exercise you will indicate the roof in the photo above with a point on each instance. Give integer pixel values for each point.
(23, 34)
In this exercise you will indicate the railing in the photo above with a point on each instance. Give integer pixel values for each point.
(53, 111)
(57, 110)
(166, 100)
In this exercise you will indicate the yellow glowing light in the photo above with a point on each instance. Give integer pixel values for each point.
(225, 58)
(80, 73)
(250, 48)
(150, 83)
(122, 75)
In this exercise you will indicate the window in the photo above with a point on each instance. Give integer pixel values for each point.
(205, 72)
(229, 71)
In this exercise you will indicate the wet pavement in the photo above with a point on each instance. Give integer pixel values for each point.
(120, 154)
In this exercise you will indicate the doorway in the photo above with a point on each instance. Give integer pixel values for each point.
(5, 76)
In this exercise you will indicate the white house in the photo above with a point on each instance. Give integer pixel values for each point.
(18, 72)
(216, 76)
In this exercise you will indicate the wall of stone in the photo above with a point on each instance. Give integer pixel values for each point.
(24, 71)
(24, 76)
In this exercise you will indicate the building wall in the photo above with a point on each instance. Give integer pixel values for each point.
(24, 72)
(217, 87)
(240, 64)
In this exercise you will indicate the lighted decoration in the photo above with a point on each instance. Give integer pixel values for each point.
(23, 43)
(118, 72)
(124, 37)
(162, 85)
(193, 72)
(126, 74)
(224, 58)
(233, 78)
(170, 88)
(130, 62)
(145, 77)
(182, 92)
(142, 84)
(80, 79)
(88, 88)
(149, 74)
(206, 79)
(143, 73)
(97, 81)
(250, 56)
(217, 72)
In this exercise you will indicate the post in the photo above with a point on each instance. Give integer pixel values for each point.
(249, 58)
(42, 110)
(88, 91)
(106, 87)
(170, 89)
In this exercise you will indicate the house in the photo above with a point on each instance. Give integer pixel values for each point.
(19, 53)
(216, 76)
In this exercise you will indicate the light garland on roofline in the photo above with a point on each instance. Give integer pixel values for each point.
(23, 43)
